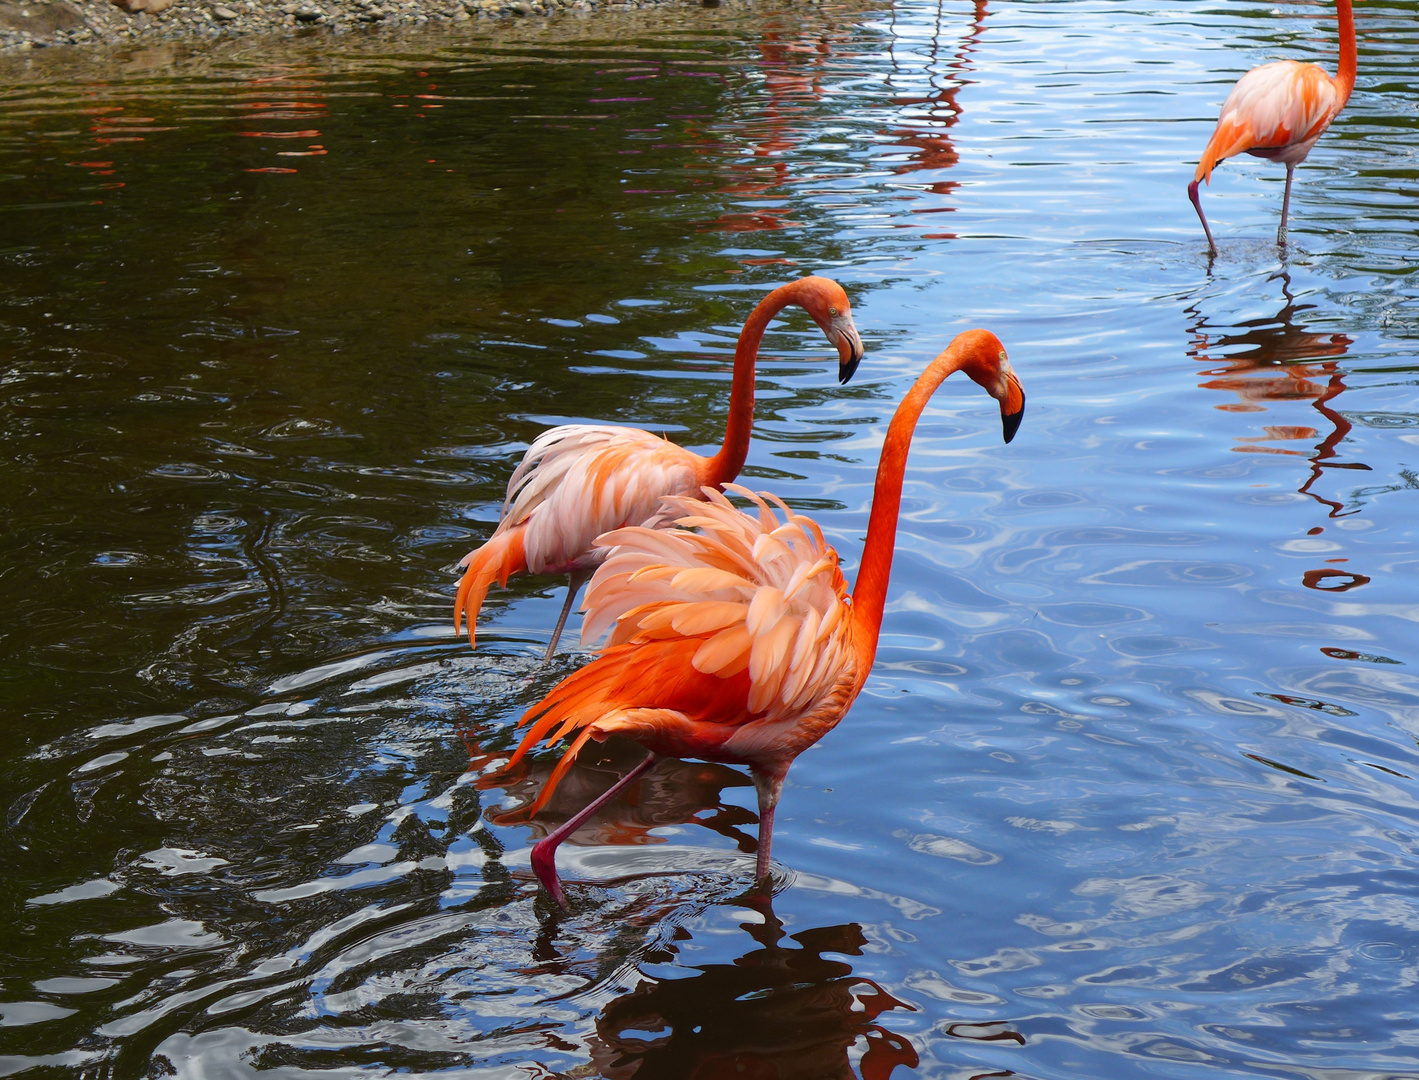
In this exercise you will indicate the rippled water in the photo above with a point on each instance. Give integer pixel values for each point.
(1131, 791)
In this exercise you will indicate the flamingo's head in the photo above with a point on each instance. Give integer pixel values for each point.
(985, 362)
(826, 301)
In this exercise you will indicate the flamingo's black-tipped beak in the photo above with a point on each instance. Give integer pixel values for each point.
(1012, 409)
(1012, 422)
(843, 333)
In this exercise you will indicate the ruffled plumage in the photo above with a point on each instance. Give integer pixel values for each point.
(730, 635)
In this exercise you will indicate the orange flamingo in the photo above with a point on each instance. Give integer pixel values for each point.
(580, 480)
(1278, 111)
(739, 643)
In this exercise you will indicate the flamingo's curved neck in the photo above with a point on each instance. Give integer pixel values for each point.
(869, 596)
(725, 465)
(1345, 76)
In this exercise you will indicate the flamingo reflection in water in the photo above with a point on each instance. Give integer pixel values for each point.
(783, 1010)
(674, 793)
(924, 129)
(1277, 360)
(792, 60)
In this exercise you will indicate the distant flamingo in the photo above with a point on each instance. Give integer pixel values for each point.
(739, 643)
(1278, 111)
(580, 480)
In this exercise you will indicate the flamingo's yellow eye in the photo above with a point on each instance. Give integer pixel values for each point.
(833, 312)
(1004, 359)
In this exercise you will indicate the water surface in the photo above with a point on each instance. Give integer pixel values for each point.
(1131, 790)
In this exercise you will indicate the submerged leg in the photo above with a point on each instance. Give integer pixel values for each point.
(1285, 204)
(769, 788)
(1197, 205)
(575, 580)
(544, 852)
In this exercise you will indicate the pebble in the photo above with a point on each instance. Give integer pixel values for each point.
(226, 14)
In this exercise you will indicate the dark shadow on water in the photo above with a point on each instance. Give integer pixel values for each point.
(782, 1009)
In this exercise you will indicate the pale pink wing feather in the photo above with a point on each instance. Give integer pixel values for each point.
(1274, 106)
(578, 481)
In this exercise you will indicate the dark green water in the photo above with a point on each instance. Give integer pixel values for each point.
(1132, 789)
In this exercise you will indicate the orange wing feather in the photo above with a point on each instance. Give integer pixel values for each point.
(498, 559)
(731, 643)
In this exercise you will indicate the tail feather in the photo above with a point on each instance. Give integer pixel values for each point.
(1233, 135)
(578, 700)
(557, 773)
(645, 690)
(496, 560)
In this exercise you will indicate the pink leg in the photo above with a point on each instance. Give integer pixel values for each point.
(544, 852)
(769, 788)
(1197, 205)
(766, 839)
(575, 580)
(1285, 205)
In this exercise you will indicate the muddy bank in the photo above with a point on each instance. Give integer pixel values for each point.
(31, 24)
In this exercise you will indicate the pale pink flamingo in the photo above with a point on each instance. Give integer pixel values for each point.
(739, 643)
(581, 480)
(1278, 111)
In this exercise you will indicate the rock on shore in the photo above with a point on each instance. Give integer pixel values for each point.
(29, 24)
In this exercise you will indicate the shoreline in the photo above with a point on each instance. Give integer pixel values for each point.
(40, 24)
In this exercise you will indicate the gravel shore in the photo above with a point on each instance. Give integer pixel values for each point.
(31, 24)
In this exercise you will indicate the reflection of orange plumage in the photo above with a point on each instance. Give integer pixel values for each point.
(1282, 361)
(773, 135)
(739, 643)
(932, 148)
(578, 481)
(1278, 360)
(1278, 111)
